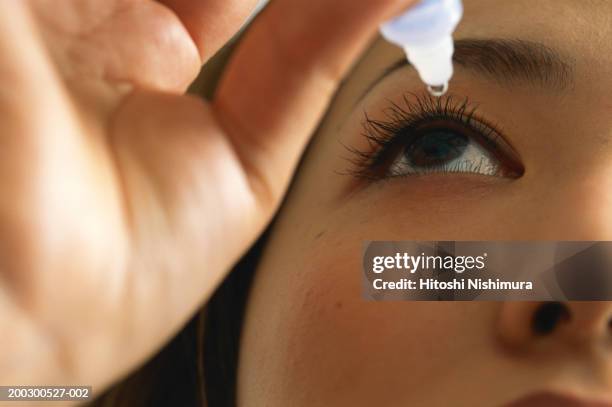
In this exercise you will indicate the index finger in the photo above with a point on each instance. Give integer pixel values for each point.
(211, 23)
(284, 74)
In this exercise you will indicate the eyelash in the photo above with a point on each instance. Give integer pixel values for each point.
(402, 125)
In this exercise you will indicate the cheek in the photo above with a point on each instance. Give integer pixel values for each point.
(346, 351)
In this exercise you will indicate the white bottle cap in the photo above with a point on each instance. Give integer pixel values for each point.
(425, 33)
(433, 62)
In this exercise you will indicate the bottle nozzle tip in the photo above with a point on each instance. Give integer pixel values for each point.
(437, 90)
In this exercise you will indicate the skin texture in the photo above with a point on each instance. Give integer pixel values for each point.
(125, 202)
(310, 339)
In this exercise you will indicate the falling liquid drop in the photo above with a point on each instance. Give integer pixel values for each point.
(437, 90)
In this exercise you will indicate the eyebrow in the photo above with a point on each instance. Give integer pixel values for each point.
(506, 61)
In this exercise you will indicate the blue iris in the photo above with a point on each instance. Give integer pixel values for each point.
(435, 147)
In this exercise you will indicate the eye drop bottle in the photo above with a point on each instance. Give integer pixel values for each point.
(425, 32)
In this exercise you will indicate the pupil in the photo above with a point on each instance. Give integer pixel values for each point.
(436, 147)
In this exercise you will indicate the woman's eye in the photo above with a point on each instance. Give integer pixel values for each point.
(444, 151)
(428, 136)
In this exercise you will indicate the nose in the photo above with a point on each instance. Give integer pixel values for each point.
(575, 324)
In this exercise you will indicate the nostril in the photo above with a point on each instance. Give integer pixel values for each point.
(548, 316)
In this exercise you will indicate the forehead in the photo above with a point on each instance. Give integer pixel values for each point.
(579, 30)
(580, 27)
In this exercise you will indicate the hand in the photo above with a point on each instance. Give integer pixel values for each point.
(124, 202)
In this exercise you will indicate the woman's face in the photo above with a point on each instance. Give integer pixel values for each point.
(521, 148)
